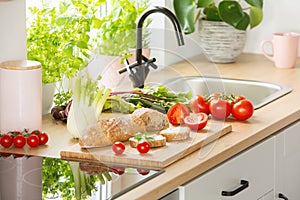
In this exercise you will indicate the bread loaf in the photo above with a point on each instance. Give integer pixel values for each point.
(108, 131)
(154, 120)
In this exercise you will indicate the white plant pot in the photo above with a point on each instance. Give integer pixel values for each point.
(48, 91)
(220, 42)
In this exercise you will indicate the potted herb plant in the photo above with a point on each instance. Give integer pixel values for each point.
(59, 38)
(222, 24)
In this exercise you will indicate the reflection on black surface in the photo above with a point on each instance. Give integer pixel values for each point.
(88, 180)
(81, 180)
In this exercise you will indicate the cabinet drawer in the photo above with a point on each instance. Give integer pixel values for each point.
(255, 165)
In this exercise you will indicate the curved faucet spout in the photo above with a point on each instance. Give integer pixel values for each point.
(139, 70)
(140, 23)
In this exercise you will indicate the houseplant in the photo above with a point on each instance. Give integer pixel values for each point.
(233, 16)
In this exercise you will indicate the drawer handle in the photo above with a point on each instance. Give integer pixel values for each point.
(244, 185)
(282, 196)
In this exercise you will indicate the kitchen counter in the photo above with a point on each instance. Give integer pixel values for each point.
(266, 121)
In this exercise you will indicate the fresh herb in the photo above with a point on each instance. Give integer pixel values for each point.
(144, 137)
(117, 30)
(60, 37)
(62, 98)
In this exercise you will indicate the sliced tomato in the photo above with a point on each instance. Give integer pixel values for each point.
(196, 121)
(177, 113)
(199, 104)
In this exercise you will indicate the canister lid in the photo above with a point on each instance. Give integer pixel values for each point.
(20, 65)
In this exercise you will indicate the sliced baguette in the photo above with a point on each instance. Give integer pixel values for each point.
(176, 133)
(158, 141)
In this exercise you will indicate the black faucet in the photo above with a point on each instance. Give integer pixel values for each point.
(139, 70)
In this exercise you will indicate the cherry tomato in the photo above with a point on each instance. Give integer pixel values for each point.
(6, 141)
(177, 113)
(43, 138)
(196, 121)
(33, 140)
(143, 171)
(219, 108)
(118, 147)
(19, 141)
(143, 147)
(242, 110)
(199, 104)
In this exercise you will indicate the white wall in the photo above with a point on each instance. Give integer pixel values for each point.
(12, 30)
(279, 16)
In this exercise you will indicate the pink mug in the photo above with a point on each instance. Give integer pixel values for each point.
(284, 49)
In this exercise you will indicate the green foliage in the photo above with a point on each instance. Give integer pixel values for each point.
(63, 38)
(117, 30)
(59, 37)
(229, 11)
(59, 180)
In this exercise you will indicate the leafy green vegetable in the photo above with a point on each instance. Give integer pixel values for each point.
(157, 98)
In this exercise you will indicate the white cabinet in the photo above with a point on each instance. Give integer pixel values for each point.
(254, 167)
(287, 165)
(272, 169)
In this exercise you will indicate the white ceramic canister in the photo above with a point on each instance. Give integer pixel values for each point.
(20, 96)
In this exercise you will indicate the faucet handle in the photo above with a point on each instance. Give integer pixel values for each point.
(150, 62)
(138, 72)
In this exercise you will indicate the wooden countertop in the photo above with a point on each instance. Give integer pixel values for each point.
(266, 121)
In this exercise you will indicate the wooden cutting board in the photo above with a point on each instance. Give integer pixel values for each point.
(156, 158)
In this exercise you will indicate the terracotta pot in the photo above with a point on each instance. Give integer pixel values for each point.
(220, 42)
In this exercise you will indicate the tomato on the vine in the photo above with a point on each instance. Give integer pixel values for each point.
(33, 140)
(36, 132)
(118, 147)
(43, 138)
(196, 121)
(177, 113)
(143, 146)
(19, 141)
(219, 108)
(6, 141)
(242, 110)
(199, 104)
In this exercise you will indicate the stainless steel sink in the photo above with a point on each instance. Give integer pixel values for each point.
(260, 93)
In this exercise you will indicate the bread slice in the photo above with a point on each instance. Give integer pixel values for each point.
(176, 133)
(156, 141)
(154, 120)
